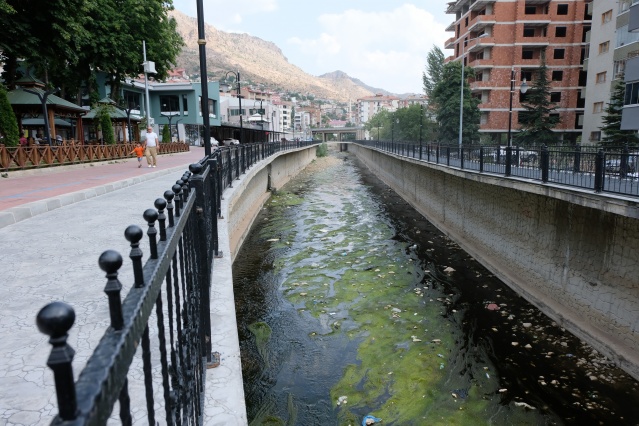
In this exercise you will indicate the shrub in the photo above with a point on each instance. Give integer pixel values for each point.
(322, 150)
(8, 122)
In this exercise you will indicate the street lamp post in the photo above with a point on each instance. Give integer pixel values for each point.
(45, 113)
(523, 89)
(128, 110)
(206, 122)
(261, 113)
(461, 97)
(236, 74)
(421, 124)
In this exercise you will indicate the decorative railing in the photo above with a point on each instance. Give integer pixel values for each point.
(175, 284)
(21, 158)
(613, 169)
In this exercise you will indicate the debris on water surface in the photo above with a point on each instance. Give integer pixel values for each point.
(342, 400)
(370, 420)
(492, 307)
(460, 393)
(523, 404)
(272, 240)
(449, 270)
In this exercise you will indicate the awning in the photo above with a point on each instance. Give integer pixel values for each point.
(39, 122)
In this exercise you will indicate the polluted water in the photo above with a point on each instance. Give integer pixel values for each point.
(351, 304)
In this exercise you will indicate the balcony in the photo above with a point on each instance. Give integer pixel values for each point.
(450, 43)
(450, 27)
(484, 63)
(481, 22)
(533, 42)
(481, 85)
(479, 44)
(478, 4)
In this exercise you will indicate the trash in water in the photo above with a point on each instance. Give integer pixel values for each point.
(342, 400)
(370, 420)
(441, 366)
(460, 393)
(492, 307)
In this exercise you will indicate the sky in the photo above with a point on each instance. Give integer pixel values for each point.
(383, 43)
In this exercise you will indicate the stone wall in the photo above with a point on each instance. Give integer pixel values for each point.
(573, 254)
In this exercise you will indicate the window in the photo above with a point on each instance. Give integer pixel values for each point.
(523, 117)
(169, 103)
(530, 10)
(604, 47)
(526, 75)
(560, 32)
(132, 100)
(557, 75)
(212, 106)
(555, 97)
(527, 54)
(559, 54)
(529, 32)
(606, 16)
(619, 68)
(562, 9)
(601, 77)
(597, 107)
(632, 93)
(595, 136)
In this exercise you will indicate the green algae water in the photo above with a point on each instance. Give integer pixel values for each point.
(350, 303)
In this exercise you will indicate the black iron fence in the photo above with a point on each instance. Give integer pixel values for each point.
(614, 169)
(175, 284)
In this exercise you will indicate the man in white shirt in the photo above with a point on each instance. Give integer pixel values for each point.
(151, 147)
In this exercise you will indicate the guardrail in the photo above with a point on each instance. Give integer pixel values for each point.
(22, 158)
(614, 170)
(175, 280)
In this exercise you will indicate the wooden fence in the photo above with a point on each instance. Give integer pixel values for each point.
(22, 158)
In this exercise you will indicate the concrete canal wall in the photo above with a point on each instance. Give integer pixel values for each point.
(571, 253)
(252, 191)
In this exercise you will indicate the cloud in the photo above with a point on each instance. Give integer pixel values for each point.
(227, 16)
(384, 49)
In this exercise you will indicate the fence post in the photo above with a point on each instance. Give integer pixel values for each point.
(600, 162)
(509, 160)
(203, 216)
(55, 320)
(481, 159)
(461, 157)
(577, 164)
(151, 215)
(448, 156)
(545, 163)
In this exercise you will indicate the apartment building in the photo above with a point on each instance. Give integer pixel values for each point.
(630, 34)
(611, 45)
(369, 106)
(496, 36)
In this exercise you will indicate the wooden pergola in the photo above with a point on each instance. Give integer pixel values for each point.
(27, 104)
(118, 117)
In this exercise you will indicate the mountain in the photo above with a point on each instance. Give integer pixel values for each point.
(340, 78)
(260, 62)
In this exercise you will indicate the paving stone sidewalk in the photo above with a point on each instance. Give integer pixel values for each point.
(52, 253)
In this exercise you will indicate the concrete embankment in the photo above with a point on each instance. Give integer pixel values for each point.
(573, 254)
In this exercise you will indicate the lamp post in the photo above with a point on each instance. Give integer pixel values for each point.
(128, 110)
(177, 129)
(43, 95)
(461, 97)
(236, 74)
(203, 79)
(261, 113)
(523, 89)
(421, 124)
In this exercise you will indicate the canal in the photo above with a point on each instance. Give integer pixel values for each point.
(349, 303)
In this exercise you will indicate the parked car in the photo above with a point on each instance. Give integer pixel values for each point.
(230, 141)
(614, 166)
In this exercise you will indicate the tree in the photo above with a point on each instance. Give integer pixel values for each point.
(434, 70)
(103, 119)
(537, 121)
(166, 134)
(613, 136)
(445, 98)
(8, 123)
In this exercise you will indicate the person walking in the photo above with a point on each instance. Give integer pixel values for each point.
(139, 152)
(151, 147)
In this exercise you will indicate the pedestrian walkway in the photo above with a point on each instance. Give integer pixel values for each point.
(24, 194)
(62, 221)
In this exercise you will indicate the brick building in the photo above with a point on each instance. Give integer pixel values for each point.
(499, 35)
